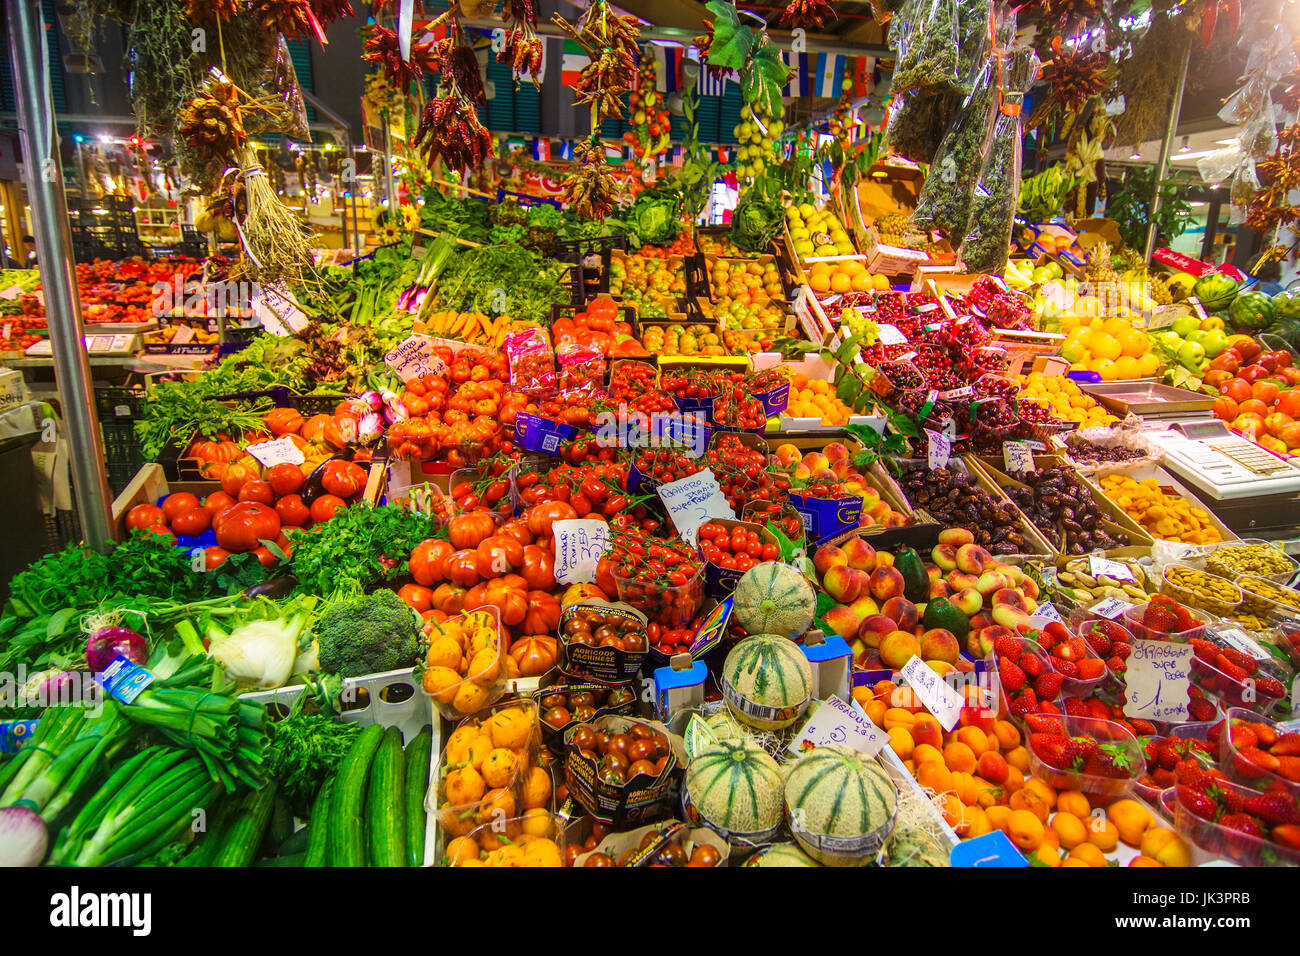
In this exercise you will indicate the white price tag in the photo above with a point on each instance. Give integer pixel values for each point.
(579, 544)
(693, 500)
(184, 333)
(839, 723)
(1018, 457)
(1110, 608)
(277, 452)
(1049, 577)
(890, 335)
(1113, 569)
(1045, 614)
(415, 358)
(9, 327)
(1157, 680)
(278, 312)
(940, 449)
(936, 695)
(907, 356)
(964, 392)
(12, 292)
(1243, 642)
(1199, 309)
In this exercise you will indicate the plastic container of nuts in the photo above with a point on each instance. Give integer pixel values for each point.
(1200, 589)
(1265, 597)
(1251, 556)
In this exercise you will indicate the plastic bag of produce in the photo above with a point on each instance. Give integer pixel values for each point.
(945, 198)
(927, 39)
(918, 122)
(974, 24)
(993, 206)
(276, 86)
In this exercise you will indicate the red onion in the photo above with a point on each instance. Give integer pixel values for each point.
(23, 837)
(107, 642)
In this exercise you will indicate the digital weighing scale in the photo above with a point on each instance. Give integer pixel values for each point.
(1223, 465)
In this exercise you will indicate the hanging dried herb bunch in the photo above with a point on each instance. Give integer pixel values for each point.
(1063, 14)
(212, 124)
(1147, 76)
(808, 13)
(610, 42)
(523, 47)
(1271, 209)
(276, 243)
(592, 191)
(383, 49)
(1074, 76)
(162, 67)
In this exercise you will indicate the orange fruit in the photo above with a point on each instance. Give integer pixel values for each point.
(470, 698)
(499, 768)
(1070, 829)
(535, 788)
(900, 741)
(1144, 861)
(1044, 790)
(459, 850)
(1165, 847)
(925, 753)
(934, 776)
(998, 817)
(537, 822)
(1103, 834)
(510, 728)
(1025, 830)
(463, 786)
(440, 683)
(1131, 819)
(959, 757)
(1018, 757)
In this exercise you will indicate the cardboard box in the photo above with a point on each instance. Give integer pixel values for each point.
(892, 186)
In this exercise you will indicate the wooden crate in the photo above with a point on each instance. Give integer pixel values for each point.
(150, 484)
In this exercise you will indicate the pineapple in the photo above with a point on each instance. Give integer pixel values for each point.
(1160, 293)
(1100, 268)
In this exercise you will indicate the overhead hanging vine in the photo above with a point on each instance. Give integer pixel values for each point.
(747, 51)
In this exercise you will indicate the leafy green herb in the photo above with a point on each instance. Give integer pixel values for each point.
(360, 546)
(176, 413)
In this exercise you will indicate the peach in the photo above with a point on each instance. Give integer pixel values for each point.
(960, 580)
(787, 455)
(836, 450)
(980, 642)
(884, 559)
(826, 474)
(865, 606)
(1028, 587)
(840, 468)
(941, 667)
(873, 629)
(815, 461)
(926, 729)
(972, 559)
(956, 537)
(886, 582)
(802, 472)
(991, 581)
(1009, 608)
(945, 556)
(901, 611)
(845, 584)
(979, 620)
(895, 520)
(933, 572)
(938, 644)
(968, 601)
(827, 557)
(897, 648)
(842, 621)
(860, 554)
(939, 589)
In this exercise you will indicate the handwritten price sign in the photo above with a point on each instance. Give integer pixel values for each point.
(579, 545)
(693, 500)
(936, 695)
(1157, 681)
(414, 358)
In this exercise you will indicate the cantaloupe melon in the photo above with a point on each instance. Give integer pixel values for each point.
(702, 731)
(781, 854)
(774, 598)
(766, 681)
(840, 805)
(912, 846)
(735, 789)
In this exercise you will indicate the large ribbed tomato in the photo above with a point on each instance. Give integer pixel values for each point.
(428, 562)
(243, 526)
(467, 530)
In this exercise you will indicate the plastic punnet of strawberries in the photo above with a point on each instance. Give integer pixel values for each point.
(1233, 676)
(1082, 754)
(1164, 754)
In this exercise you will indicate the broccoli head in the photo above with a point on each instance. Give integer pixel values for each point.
(368, 634)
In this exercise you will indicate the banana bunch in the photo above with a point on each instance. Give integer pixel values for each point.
(1019, 274)
(1042, 196)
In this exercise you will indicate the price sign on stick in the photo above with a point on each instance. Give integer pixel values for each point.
(1157, 681)
(278, 452)
(839, 723)
(940, 449)
(579, 544)
(936, 695)
(693, 500)
(415, 358)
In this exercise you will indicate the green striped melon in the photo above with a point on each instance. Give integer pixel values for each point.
(781, 854)
(703, 731)
(735, 788)
(773, 598)
(766, 681)
(840, 805)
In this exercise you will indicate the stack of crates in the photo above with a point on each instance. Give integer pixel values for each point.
(119, 409)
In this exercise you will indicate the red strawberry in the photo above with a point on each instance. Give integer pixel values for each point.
(1048, 686)
(1198, 708)
(1253, 762)
(1122, 649)
(1057, 631)
(1031, 665)
(1288, 768)
(1091, 668)
(1269, 687)
(1160, 619)
(1246, 825)
(1074, 707)
(1026, 703)
(1186, 621)
(1049, 708)
(1192, 774)
(1110, 760)
(1013, 678)
(1143, 727)
(1244, 661)
(1232, 801)
(1205, 650)
(1117, 665)
(1242, 736)
(1055, 750)
(1099, 643)
(1098, 709)
(1286, 745)
(1230, 670)
(1006, 646)
(1273, 808)
(1166, 755)
(1162, 601)
(1287, 835)
(1066, 668)
(1197, 802)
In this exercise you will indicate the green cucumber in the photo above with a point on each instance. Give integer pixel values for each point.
(239, 847)
(417, 783)
(347, 835)
(296, 843)
(318, 848)
(386, 803)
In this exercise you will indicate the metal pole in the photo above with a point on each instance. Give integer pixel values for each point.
(1166, 145)
(43, 173)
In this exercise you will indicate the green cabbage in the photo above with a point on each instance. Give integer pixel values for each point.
(656, 218)
(756, 222)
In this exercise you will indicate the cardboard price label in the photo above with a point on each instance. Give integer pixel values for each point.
(1243, 642)
(1045, 614)
(579, 544)
(278, 312)
(937, 696)
(839, 723)
(1098, 566)
(1157, 681)
(940, 449)
(693, 500)
(1110, 608)
(890, 335)
(1018, 457)
(415, 358)
(278, 452)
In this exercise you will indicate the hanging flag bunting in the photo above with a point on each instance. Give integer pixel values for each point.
(428, 36)
(800, 80)
(830, 70)
(710, 85)
(566, 149)
(573, 63)
(670, 70)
